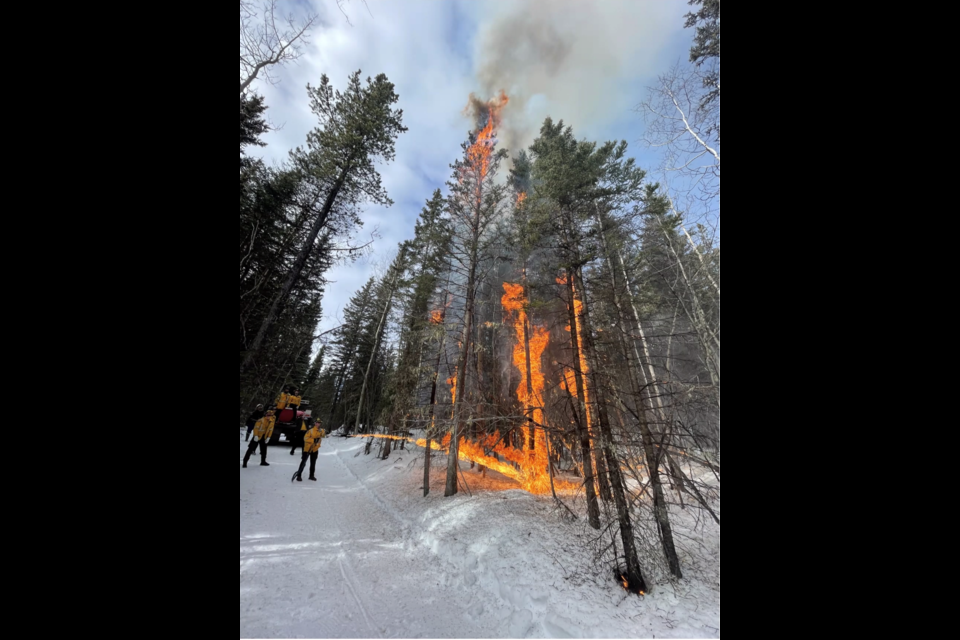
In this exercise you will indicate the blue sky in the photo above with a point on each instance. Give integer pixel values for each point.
(587, 62)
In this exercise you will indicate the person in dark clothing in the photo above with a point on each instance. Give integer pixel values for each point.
(254, 418)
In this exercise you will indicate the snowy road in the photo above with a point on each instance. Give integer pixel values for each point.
(325, 560)
(361, 554)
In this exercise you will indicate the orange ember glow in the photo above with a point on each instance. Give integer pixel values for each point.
(436, 317)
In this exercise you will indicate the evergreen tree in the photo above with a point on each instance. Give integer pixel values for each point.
(576, 177)
(356, 129)
(345, 349)
(427, 250)
(475, 202)
(706, 45)
(252, 124)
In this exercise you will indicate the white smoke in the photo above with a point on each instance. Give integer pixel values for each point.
(572, 60)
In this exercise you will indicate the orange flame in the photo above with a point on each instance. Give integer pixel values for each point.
(436, 317)
(535, 477)
(435, 446)
(484, 452)
(570, 379)
(521, 199)
(514, 301)
(480, 152)
(452, 381)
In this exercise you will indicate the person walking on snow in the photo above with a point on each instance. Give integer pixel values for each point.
(311, 450)
(261, 434)
(255, 417)
(298, 436)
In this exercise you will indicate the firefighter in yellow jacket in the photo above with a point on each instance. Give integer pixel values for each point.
(281, 401)
(261, 435)
(311, 450)
(294, 400)
(306, 425)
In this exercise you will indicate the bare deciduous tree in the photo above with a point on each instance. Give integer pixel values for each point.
(686, 128)
(268, 38)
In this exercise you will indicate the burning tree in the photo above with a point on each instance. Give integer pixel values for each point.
(571, 179)
(474, 203)
(553, 283)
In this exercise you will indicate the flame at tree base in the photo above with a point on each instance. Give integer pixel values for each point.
(532, 341)
(640, 590)
(483, 452)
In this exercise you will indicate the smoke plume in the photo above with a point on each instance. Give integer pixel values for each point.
(576, 61)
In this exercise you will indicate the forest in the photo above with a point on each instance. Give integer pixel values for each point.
(553, 316)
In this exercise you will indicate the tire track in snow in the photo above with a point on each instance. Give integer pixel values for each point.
(405, 526)
(343, 562)
(353, 592)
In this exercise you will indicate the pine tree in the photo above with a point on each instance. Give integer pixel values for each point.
(386, 294)
(428, 250)
(356, 130)
(575, 176)
(474, 203)
(706, 45)
(346, 348)
(252, 124)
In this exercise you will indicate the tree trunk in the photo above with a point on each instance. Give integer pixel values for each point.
(293, 276)
(593, 363)
(530, 411)
(453, 463)
(593, 504)
(433, 417)
(376, 343)
(653, 461)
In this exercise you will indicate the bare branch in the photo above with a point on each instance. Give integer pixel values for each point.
(268, 39)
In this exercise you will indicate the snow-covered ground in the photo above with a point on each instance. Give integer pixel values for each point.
(361, 554)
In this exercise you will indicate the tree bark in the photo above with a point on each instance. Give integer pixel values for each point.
(433, 417)
(593, 504)
(653, 462)
(453, 462)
